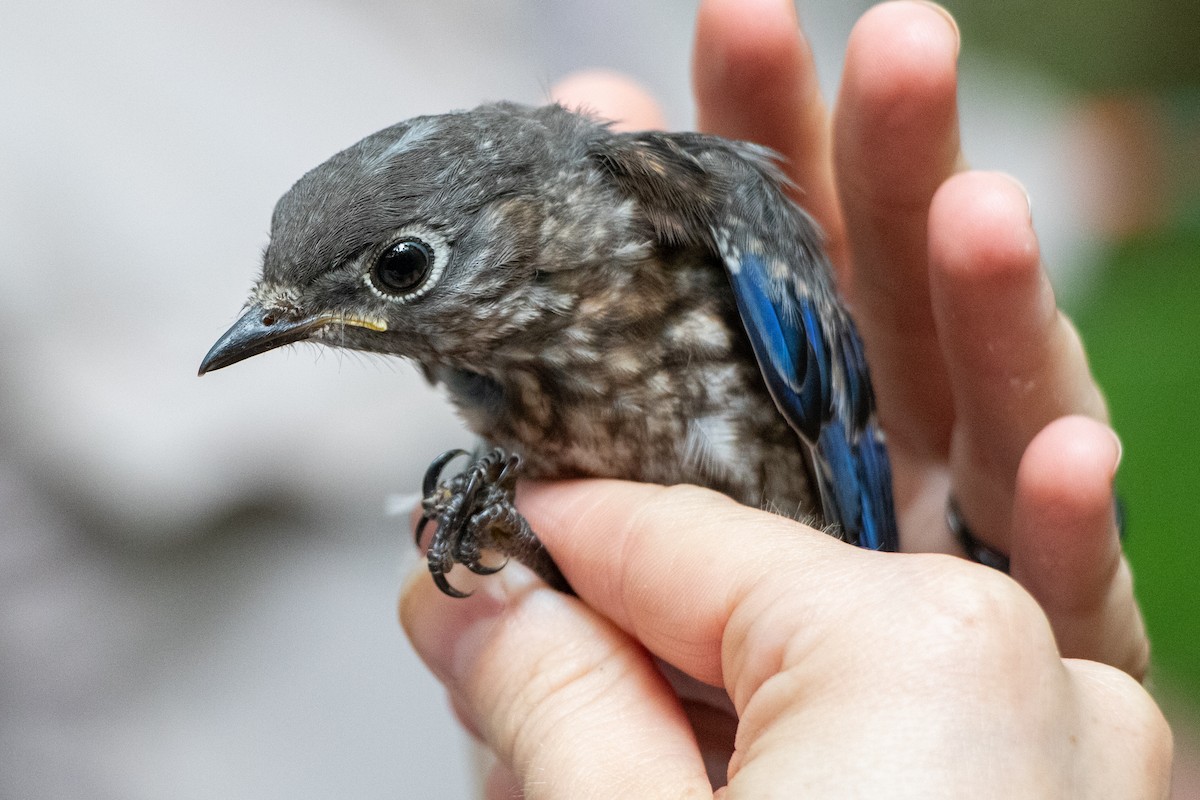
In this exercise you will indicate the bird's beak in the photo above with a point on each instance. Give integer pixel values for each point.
(259, 330)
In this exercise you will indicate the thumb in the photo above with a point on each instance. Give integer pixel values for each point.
(658, 562)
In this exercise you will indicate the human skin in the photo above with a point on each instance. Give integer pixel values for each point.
(850, 672)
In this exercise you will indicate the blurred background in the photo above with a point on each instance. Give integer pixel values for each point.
(197, 577)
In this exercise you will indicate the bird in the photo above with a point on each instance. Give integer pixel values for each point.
(648, 305)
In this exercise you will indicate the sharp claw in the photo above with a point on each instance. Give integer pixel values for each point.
(473, 511)
(480, 568)
(420, 529)
(435, 470)
(439, 578)
(511, 465)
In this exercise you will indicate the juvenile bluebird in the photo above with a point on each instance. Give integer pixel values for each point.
(649, 306)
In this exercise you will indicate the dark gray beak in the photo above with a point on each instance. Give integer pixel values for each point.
(259, 330)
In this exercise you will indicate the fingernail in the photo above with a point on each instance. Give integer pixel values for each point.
(1120, 450)
(1024, 192)
(450, 634)
(482, 611)
(953, 23)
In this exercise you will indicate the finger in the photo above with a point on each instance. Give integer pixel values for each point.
(610, 96)
(1014, 362)
(754, 79)
(500, 783)
(1065, 545)
(642, 555)
(557, 692)
(811, 651)
(895, 141)
(1124, 742)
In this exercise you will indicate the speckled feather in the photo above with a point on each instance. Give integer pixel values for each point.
(608, 304)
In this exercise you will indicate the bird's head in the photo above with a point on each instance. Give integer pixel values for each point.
(426, 240)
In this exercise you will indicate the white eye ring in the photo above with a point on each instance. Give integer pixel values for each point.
(412, 262)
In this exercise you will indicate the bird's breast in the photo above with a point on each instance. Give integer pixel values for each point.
(681, 403)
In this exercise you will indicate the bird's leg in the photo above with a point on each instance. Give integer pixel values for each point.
(475, 511)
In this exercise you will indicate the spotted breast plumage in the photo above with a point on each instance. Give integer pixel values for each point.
(649, 306)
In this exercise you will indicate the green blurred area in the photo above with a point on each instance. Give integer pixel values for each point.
(1141, 323)
(1095, 46)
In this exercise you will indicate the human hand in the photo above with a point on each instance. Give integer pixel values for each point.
(982, 385)
(850, 671)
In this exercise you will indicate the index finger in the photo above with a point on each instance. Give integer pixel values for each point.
(754, 79)
(896, 130)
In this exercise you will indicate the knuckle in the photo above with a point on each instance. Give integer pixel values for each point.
(1125, 720)
(971, 615)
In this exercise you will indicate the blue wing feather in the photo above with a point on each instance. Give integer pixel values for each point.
(777, 341)
(796, 348)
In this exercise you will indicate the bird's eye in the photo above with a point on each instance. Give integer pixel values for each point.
(409, 266)
(403, 267)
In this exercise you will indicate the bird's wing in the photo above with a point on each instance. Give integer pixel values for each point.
(812, 361)
(731, 197)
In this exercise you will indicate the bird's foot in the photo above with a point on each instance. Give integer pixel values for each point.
(475, 512)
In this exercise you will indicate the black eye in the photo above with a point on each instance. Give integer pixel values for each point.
(403, 267)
